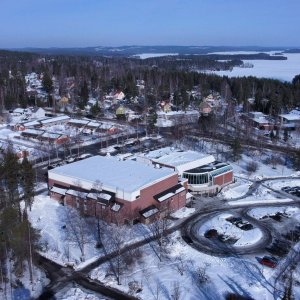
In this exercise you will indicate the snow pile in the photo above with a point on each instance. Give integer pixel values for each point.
(78, 294)
(235, 192)
(280, 183)
(259, 213)
(183, 212)
(250, 201)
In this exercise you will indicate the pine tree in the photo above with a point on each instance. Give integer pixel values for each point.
(27, 182)
(84, 95)
(236, 149)
(18, 238)
(47, 83)
(11, 169)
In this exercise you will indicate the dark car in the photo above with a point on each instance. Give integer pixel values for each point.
(268, 261)
(50, 167)
(246, 227)
(234, 220)
(211, 233)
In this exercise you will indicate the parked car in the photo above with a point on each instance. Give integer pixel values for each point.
(211, 233)
(85, 155)
(234, 220)
(246, 226)
(70, 160)
(269, 261)
(50, 167)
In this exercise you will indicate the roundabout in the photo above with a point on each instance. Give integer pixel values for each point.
(227, 233)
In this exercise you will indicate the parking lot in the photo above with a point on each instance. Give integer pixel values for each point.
(295, 191)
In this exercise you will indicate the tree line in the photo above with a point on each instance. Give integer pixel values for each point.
(18, 239)
(97, 76)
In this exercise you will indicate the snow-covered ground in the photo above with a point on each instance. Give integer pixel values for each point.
(250, 201)
(22, 287)
(181, 269)
(76, 293)
(49, 217)
(280, 183)
(183, 212)
(261, 212)
(235, 190)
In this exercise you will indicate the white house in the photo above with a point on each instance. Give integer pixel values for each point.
(38, 112)
(290, 120)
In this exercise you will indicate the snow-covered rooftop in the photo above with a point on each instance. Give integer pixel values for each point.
(116, 176)
(55, 119)
(181, 160)
(291, 117)
(79, 121)
(33, 132)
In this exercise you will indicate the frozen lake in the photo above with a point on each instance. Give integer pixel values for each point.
(284, 70)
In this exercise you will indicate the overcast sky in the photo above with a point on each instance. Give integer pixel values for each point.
(82, 23)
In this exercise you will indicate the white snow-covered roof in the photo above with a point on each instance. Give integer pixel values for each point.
(55, 119)
(31, 123)
(32, 131)
(76, 193)
(93, 124)
(51, 135)
(95, 196)
(291, 117)
(178, 113)
(165, 197)
(106, 126)
(261, 120)
(180, 160)
(180, 190)
(125, 178)
(58, 190)
(150, 212)
(78, 121)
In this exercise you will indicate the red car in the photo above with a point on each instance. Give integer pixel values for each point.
(268, 261)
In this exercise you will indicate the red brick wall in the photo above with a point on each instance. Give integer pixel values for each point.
(224, 179)
(130, 209)
(56, 196)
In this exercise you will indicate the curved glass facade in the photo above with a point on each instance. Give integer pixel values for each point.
(196, 178)
(204, 177)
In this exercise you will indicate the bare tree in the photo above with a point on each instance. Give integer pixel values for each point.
(115, 244)
(176, 291)
(158, 231)
(181, 265)
(251, 167)
(77, 229)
